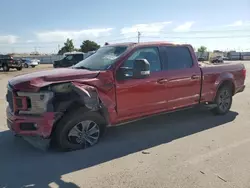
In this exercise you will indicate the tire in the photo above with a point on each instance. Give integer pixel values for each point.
(32, 66)
(223, 100)
(5, 68)
(65, 130)
(19, 68)
(26, 65)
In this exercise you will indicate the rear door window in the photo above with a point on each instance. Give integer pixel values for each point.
(177, 58)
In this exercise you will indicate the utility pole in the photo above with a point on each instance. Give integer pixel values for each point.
(139, 36)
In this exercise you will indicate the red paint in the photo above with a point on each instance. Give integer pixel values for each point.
(131, 99)
(44, 124)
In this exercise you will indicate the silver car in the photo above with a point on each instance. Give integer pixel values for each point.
(30, 63)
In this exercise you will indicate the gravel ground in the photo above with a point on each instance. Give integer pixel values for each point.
(188, 149)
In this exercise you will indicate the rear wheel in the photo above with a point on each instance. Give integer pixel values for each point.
(19, 68)
(223, 100)
(79, 130)
(26, 65)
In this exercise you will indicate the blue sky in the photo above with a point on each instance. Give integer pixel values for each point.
(45, 24)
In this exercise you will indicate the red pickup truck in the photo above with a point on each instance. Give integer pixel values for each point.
(118, 84)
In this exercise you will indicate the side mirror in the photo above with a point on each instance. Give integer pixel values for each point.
(141, 69)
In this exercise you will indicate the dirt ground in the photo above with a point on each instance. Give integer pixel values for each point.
(188, 149)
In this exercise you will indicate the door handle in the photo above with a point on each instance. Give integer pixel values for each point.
(162, 81)
(195, 77)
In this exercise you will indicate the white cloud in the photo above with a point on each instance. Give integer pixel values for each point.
(239, 23)
(146, 29)
(60, 36)
(8, 39)
(29, 41)
(184, 27)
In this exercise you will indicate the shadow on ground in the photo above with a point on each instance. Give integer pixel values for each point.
(22, 165)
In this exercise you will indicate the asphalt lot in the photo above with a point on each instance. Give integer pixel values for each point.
(188, 149)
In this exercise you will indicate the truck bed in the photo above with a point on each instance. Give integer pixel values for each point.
(213, 74)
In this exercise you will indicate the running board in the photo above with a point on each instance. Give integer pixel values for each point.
(158, 114)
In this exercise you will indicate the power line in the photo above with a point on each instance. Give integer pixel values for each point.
(44, 45)
(199, 37)
(120, 39)
(203, 31)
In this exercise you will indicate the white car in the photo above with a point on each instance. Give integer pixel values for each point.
(30, 63)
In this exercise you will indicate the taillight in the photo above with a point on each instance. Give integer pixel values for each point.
(244, 72)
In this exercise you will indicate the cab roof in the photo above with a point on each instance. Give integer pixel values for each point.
(141, 44)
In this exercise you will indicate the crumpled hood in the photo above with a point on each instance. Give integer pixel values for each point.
(33, 81)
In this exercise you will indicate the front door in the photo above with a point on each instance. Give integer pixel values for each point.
(68, 61)
(139, 97)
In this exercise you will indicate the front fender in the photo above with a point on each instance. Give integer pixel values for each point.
(96, 100)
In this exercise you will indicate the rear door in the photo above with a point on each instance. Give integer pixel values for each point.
(139, 97)
(183, 76)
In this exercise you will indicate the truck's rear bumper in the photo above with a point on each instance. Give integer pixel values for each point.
(240, 89)
(31, 125)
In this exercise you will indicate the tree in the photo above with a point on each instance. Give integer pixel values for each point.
(202, 49)
(68, 47)
(89, 45)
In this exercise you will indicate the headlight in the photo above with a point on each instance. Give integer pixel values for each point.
(62, 88)
(37, 103)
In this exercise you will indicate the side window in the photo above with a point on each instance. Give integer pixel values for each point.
(178, 57)
(69, 57)
(149, 53)
(78, 57)
(7, 57)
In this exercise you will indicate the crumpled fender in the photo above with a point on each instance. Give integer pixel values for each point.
(95, 100)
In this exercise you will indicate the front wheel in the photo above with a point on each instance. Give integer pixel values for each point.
(79, 130)
(223, 100)
(26, 65)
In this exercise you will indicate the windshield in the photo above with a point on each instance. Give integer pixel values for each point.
(103, 58)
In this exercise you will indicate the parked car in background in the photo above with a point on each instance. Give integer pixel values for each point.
(118, 84)
(37, 60)
(225, 58)
(7, 62)
(29, 63)
(201, 59)
(69, 59)
(217, 59)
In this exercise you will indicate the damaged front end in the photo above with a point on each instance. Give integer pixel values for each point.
(34, 115)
